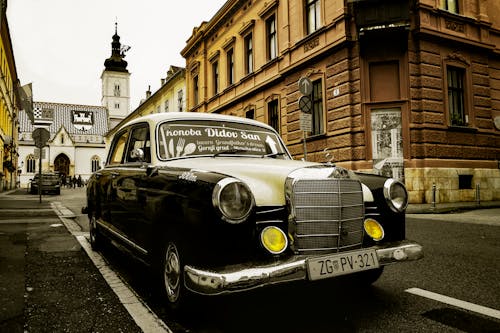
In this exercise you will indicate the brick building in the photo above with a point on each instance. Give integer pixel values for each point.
(403, 88)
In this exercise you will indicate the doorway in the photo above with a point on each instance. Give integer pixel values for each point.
(61, 164)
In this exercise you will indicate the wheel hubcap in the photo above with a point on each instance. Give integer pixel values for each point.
(172, 272)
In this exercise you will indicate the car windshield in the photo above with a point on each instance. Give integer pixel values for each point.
(217, 138)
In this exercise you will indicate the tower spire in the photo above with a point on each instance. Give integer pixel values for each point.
(116, 62)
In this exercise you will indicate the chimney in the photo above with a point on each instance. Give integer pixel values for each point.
(148, 92)
(162, 82)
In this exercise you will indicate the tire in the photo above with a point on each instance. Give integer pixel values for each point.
(96, 238)
(169, 274)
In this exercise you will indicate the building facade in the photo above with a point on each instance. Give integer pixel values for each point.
(409, 89)
(77, 133)
(9, 107)
(76, 146)
(171, 96)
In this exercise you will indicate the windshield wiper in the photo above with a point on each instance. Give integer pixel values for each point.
(273, 155)
(229, 151)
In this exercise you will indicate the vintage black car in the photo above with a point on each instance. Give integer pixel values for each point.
(215, 204)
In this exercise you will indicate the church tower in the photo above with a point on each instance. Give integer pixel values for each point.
(116, 82)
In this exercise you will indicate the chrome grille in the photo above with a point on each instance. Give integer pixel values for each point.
(326, 214)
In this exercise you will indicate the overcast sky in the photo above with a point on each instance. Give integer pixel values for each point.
(60, 45)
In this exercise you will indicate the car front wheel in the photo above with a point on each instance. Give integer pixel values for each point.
(171, 279)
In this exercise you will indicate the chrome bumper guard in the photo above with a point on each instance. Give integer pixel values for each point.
(239, 278)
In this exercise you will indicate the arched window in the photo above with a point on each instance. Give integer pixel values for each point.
(95, 163)
(30, 164)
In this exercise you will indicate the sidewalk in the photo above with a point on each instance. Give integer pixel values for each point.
(442, 208)
(47, 281)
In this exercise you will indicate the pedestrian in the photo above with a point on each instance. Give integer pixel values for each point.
(63, 180)
(73, 181)
(79, 181)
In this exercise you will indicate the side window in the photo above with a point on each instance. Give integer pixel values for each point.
(118, 148)
(139, 139)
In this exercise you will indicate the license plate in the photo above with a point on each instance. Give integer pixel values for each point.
(341, 264)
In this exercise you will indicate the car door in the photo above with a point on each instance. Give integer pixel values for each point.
(112, 210)
(128, 191)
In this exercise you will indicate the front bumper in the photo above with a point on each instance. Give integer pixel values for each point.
(238, 278)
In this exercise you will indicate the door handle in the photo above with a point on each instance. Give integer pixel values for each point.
(114, 174)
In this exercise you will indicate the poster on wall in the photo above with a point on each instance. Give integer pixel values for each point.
(387, 142)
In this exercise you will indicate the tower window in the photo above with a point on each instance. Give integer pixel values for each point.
(117, 105)
(117, 90)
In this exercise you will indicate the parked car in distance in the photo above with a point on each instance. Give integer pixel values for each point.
(51, 183)
(215, 204)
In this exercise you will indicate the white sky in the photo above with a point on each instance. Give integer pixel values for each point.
(60, 45)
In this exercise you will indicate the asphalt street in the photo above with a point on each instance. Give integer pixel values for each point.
(50, 280)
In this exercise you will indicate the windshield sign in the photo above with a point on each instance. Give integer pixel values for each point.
(202, 138)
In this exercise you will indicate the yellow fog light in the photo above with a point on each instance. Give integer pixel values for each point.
(374, 229)
(274, 240)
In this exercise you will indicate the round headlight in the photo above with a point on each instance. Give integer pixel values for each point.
(374, 229)
(233, 199)
(274, 239)
(395, 194)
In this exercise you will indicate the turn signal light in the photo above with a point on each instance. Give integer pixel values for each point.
(274, 240)
(374, 229)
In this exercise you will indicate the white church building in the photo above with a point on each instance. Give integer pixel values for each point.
(76, 144)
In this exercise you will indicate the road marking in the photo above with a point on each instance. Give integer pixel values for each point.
(455, 302)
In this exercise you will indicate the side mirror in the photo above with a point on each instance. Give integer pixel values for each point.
(137, 155)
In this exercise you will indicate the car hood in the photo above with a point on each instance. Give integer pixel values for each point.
(265, 177)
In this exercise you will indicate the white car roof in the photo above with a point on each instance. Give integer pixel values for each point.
(159, 117)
